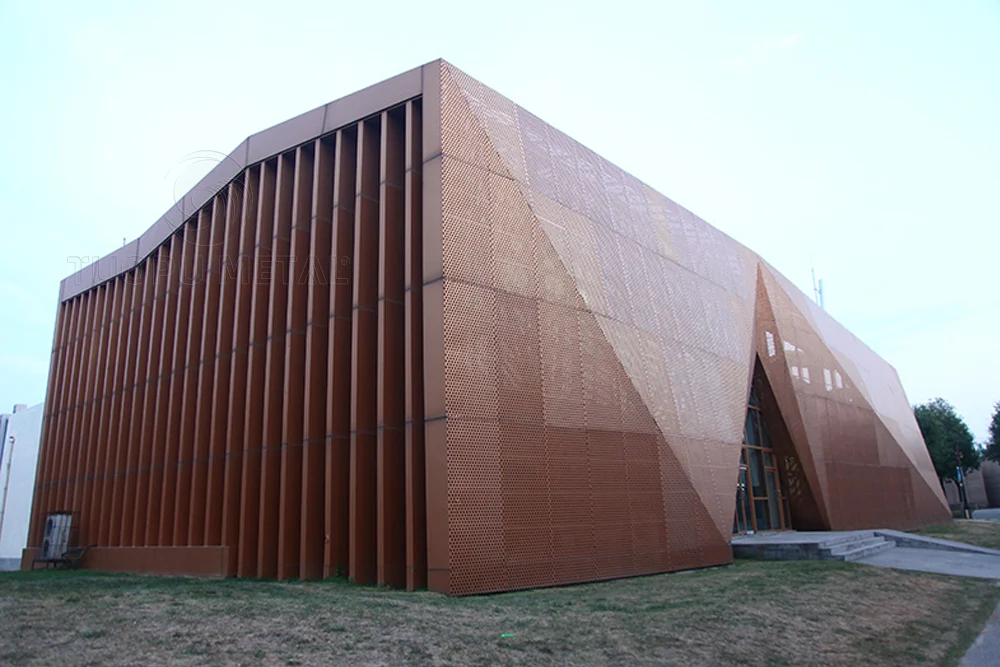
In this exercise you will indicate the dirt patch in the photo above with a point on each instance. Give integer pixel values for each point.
(752, 613)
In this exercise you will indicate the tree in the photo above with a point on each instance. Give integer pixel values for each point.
(945, 433)
(993, 439)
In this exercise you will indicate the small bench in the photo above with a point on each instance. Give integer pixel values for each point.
(70, 558)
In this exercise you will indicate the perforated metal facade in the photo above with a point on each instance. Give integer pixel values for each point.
(533, 370)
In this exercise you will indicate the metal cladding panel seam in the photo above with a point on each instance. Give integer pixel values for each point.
(573, 480)
(182, 413)
(583, 348)
(674, 297)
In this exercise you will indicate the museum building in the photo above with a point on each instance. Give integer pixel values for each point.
(417, 337)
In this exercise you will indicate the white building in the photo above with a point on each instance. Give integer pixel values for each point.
(19, 434)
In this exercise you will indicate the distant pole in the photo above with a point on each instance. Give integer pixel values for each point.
(817, 289)
(962, 496)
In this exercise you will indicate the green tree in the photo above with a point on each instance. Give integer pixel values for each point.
(993, 439)
(945, 432)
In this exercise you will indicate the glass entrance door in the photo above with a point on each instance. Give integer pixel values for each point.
(760, 501)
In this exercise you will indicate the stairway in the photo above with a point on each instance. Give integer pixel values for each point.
(852, 547)
(793, 545)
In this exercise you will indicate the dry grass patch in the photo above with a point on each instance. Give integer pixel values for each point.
(980, 533)
(753, 613)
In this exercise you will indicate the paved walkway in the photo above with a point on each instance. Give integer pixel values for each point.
(796, 536)
(985, 652)
(959, 564)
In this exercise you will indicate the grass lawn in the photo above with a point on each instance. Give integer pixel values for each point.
(981, 533)
(752, 613)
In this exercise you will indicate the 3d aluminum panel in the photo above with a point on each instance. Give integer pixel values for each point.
(872, 467)
(421, 338)
(238, 395)
(675, 303)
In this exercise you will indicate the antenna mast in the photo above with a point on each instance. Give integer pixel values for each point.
(818, 289)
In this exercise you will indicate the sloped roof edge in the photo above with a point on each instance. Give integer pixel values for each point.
(255, 148)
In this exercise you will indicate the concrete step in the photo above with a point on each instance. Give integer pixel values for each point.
(845, 540)
(856, 544)
(857, 549)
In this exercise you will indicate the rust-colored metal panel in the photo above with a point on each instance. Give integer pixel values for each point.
(62, 483)
(857, 429)
(178, 386)
(135, 442)
(435, 461)
(274, 374)
(128, 390)
(194, 371)
(139, 499)
(123, 300)
(78, 374)
(234, 246)
(781, 408)
(62, 416)
(256, 375)
(293, 409)
(436, 342)
(364, 358)
(91, 408)
(167, 378)
(320, 288)
(227, 515)
(391, 455)
(88, 527)
(191, 561)
(413, 375)
(61, 412)
(338, 379)
(209, 365)
(664, 308)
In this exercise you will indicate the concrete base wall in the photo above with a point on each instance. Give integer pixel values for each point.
(195, 561)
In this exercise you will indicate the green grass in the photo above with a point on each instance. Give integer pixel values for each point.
(980, 533)
(752, 613)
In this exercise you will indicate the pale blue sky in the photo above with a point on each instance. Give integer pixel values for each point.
(862, 138)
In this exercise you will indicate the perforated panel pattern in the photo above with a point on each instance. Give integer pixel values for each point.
(548, 337)
(621, 329)
(447, 345)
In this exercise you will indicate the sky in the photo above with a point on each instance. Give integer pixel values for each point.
(860, 139)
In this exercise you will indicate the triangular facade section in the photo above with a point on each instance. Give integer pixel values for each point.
(848, 417)
(672, 295)
(526, 367)
(547, 434)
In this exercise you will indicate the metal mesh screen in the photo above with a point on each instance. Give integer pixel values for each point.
(599, 345)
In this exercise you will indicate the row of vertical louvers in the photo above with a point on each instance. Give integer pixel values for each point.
(256, 382)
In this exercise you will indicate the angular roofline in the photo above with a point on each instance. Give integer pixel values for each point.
(256, 148)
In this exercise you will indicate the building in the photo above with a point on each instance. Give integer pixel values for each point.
(982, 488)
(419, 337)
(18, 455)
(990, 471)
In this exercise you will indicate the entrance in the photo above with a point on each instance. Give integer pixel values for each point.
(761, 503)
